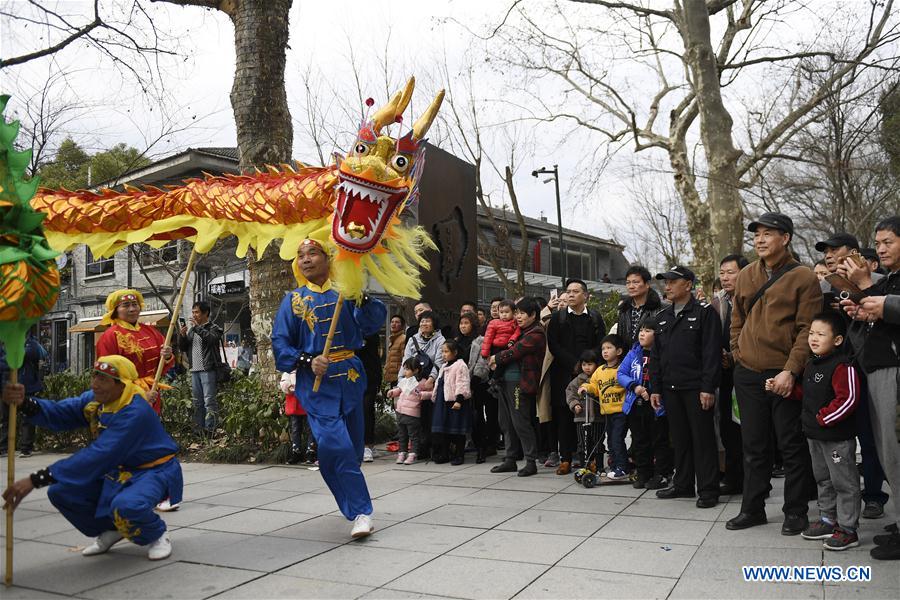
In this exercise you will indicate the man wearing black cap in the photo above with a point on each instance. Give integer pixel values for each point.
(689, 346)
(775, 299)
(836, 248)
(872, 259)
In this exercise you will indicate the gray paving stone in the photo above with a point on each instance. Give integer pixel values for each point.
(30, 529)
(327, 528)
(475, 578)
(262, 553)
(458, 515)
(624, 490)
(715, 572)
(885, 573)
(858, 591)
(250, 498)
(567, 582)
(389, 594)
(534, 548)
(19, 593)
(466, 479)
(627, 556)
(55, 569)
(282, 586)
(302, 482)
(254, 521)
(682, 508)
(310, 503)
(601, 505)
(547, 482)
(435, 539)
(372, 566)
(650, 529)
(191, 513)
(502, 498)
(556, 522)
(175, 580)
(201, 491)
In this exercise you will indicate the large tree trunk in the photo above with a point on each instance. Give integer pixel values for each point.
(725, 233)
(265, 136)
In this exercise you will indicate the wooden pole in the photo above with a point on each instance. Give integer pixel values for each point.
(10, 479)
(176, 309)
(330, 338)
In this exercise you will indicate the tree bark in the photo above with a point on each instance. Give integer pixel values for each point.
(265, 135)
(725, 222)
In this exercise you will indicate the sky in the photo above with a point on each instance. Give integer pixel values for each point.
(189, 105)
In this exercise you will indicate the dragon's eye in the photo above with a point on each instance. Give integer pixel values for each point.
(362, 149)
(400, 163)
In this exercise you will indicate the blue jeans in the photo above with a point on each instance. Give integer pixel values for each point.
(615, 437)
(206, 405)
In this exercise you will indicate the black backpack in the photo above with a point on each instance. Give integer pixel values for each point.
(426, 365)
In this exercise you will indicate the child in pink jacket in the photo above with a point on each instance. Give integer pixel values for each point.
(409, 394)
(452, 415)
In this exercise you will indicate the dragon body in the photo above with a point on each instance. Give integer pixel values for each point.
(354, 207)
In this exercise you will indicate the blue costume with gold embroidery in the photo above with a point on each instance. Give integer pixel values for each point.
(117, 480)
(335, 412)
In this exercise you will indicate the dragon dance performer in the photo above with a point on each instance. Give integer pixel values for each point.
(109, 488)
(335, 412)
(140, 343)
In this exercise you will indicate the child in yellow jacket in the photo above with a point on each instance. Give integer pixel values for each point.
(603, 384)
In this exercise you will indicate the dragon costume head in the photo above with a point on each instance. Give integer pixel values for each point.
(380, 176)
(352, 207)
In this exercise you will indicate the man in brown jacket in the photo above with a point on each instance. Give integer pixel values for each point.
(775, 299)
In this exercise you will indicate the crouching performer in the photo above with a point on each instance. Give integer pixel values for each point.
(335, 412)
(107, 490)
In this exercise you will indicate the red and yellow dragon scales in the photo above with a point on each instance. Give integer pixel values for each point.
(353, 206)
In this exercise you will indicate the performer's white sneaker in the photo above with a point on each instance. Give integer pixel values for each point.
(103, 543)
(161, 548)
(368, 456)
(166, 506)
(362, 526)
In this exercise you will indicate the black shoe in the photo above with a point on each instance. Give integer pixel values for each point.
(440, 460)
(873, 510)
(295, 457)
(480, 457)
(674, 492)
(794, 524)
(707, 501)
(745, 520)
(885, 552)
(657, 482)
(778, 471)
(456, 461)
(529, 469)
(727, 489)
(887, 539)
(25, 453)
(507, 466)
(640, 483)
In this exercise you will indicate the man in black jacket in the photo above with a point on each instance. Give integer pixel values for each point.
(201, 343)
(642, 303)
(571, 331)
(689, 346)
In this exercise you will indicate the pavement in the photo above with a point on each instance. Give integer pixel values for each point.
(272, 531)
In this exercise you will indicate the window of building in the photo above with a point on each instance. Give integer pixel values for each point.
(579, 262)
(97, 266)
(149, 256)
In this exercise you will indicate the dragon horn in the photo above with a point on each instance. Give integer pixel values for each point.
(387, 114)
(421, 126)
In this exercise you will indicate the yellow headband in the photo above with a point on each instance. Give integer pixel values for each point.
(116, 298)
(117, 367)
(295, 264)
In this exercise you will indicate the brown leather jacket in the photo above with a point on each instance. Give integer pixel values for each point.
(774, 335)
(394, 356)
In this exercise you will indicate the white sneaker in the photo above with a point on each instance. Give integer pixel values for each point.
(367, 455)
(166, 506)
(401, 456)
(362, 526)
(103, 543)
(161, 548)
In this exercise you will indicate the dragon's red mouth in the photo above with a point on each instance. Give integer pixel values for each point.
(364, 209)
